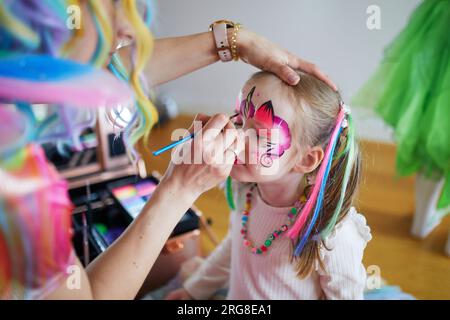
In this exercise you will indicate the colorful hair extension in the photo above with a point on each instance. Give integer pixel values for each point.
(229, 194)
(77, 34)
(143, 46)
(117, 68)
(30, 78)
(317, 194)
(13, 27)
(33, 26)
(45, 79)
(104, 32)
(351, 149)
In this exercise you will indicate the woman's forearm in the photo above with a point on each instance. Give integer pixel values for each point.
(120, 271)
(175, 57)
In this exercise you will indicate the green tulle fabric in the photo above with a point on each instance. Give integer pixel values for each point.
(411, 91)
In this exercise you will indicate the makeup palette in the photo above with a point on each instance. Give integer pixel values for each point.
(133, 196)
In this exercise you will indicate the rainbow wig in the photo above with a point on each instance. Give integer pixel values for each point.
(145, 115)
(35, 37)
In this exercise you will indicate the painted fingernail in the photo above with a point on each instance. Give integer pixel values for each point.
(293, 78)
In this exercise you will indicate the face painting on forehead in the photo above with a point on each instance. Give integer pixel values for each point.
(264, 115)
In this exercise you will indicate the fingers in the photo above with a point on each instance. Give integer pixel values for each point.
(215, 125)
(203, 118)
(235, 149)
(287, 74)
(228, 135)
(312, 69)
(171, 296)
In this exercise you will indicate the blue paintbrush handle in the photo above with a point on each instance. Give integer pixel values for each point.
(173, 145)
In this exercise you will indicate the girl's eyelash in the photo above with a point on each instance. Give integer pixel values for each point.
(238, 122)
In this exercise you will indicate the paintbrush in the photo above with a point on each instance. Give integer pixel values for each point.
(176, 143)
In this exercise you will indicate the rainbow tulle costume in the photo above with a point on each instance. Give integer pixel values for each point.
(411, 92)
(35, 244)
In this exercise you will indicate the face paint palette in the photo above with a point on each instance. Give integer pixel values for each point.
(133, 193)
(114, 205)
(134, 196)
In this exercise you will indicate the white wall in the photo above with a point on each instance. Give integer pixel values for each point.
(331, 33)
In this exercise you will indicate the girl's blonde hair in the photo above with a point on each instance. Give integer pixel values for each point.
(317, 107)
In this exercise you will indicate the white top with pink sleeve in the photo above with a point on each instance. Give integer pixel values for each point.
(272, 275)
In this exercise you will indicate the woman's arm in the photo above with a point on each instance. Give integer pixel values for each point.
(175, 57)
(118, 273)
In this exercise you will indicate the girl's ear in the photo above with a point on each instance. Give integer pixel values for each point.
(310, 160)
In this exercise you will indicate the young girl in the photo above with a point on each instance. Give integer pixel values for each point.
(293, 232)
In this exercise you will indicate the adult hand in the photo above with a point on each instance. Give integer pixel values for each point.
(206, 160)
(178, 294)
(265, 55)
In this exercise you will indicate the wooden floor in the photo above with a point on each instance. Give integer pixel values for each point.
(419, 267)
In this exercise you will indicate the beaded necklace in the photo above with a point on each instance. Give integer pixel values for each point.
(292, 213)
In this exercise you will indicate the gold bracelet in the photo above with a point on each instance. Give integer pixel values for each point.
(234, 53)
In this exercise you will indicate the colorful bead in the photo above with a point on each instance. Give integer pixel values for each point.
(271, 237)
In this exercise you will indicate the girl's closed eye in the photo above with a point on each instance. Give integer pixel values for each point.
(238, 122)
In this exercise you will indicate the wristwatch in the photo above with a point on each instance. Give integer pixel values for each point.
(219, 29)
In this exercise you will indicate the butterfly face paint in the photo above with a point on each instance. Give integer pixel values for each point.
(274, 130)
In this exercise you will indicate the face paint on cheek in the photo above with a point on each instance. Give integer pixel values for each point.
(278, 137)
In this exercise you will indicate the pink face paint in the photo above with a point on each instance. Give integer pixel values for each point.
(264, 115)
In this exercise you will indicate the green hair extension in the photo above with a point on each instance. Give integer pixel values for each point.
(229, 194)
